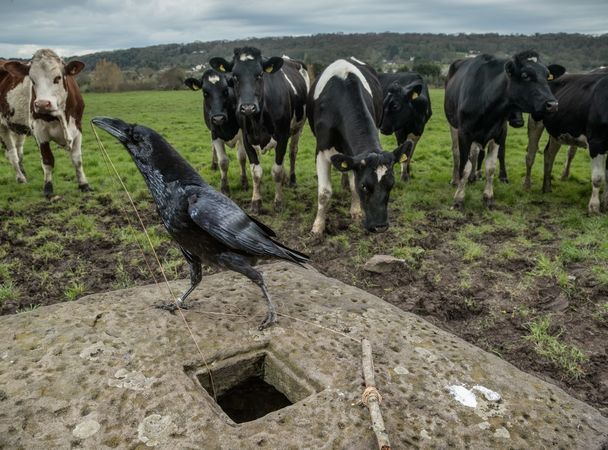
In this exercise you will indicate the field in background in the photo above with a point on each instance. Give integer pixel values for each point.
(527, 280)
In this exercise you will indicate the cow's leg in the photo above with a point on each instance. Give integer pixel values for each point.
(605, 196)
(256, 176)
(76, 156)
(356, 213)
(535, 130)
(324, 192)
(405, 166)
(502, 175)
(571, 154)
(19, 142)
(220, 151)
(455, 157)
(550, 151)
(242, 157)
(488, 192)
(293, 153)
(214, 165)
(48, 162)
(278, 171)
(598, 179)
(467, 148)
(12, 153)
(477, 157)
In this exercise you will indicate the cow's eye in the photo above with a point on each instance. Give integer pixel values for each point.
(258, 76)
(226, 92)
(205, 94)
(57, 79)
(525, 76)
(364, 188)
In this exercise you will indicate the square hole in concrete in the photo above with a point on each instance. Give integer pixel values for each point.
(251, 386)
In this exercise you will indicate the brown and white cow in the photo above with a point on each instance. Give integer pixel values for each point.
(53, 98)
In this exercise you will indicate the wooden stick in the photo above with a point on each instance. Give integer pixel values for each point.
(371, 398)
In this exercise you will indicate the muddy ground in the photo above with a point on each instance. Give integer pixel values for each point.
(492, 309)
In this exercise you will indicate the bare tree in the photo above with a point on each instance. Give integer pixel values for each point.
(107, 77)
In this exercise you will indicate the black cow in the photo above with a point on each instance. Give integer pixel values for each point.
(582, 121)
(535, 130)
(344, 112)
(219, 114)
(481, 95)
(271, 102)
(406, 110)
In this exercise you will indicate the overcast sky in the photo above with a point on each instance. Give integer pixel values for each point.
(73, 27)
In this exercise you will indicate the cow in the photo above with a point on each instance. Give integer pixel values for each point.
(406, 110)
(52, 98)
(581, 121)
(481, 95)
(344, 112)
(535, 130)
(271, 109)
(219, 115)
(14, 117)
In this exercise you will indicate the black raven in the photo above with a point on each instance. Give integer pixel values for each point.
(207, 225)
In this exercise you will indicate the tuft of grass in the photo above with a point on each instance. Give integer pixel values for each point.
(8, 291)
(74, 290)
(123, 279)
(567, 357)
(601, 314)
(552, 268)
(27, 309)
(470, 250)
(84, 227)
(49, 251)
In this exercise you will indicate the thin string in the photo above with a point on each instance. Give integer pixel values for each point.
(162, 271)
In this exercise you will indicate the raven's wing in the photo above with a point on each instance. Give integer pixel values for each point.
(227, 222)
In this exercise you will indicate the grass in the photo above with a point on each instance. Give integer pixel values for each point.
(567, 357)
(74, 290)
(8, 291)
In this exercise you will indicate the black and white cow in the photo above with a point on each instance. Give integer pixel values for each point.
(344, 112)
(582, 121)
(535, 131)
(481, 94)
(53, 99)
(219, 115)
(270, 106)
(406, 110)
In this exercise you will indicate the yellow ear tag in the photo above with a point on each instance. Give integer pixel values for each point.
(414, 95)
(269, 69)
(222, 68)
(550, 77)
(403, 158)
(344, 165)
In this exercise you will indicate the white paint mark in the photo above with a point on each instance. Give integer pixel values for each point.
(155, 429)
(533, 59)
(136, 381)
(489, 394)
(358, 61)
(502, 433)
(290, 83)
(86, 429)
(381, 171)
(424, 434)
(400, 370)
(463, 395)
(213, 79)
(246, 56)
(340, 69)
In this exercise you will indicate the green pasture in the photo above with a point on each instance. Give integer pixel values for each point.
(553, 231)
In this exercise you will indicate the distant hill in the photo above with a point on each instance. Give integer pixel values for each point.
(575, 51)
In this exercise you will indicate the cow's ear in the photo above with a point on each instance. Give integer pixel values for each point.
(555, 71)
(412, 90)
(343, 163)
(74, 67)
(273, 64)
(402, 153)
(193, 84)
(220, 64)
(17, 68)
(230, 80)
(510, 68)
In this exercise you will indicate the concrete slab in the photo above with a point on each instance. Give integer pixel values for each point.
(112, 371)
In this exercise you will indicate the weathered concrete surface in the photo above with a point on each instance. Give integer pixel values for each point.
(108, 371)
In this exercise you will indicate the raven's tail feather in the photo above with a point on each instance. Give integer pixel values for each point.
(293, 255)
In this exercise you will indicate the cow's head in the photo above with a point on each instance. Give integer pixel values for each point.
(48, 74)
(248, 69)
(404, 107)
(373, 180)
(528, 88)
(218, 96)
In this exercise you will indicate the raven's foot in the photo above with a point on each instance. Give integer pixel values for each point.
(172, 306)
(271, 317)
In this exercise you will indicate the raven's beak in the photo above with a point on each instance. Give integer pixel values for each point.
(115, 127)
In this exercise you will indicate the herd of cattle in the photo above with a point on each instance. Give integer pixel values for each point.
(257, 103)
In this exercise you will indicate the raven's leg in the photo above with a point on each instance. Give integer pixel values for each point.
(196, 275)
(242, 265)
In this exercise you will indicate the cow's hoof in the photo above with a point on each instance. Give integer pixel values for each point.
(21, 180)
(405, 177)
(458, 205)
(244, 184)
(504, 180)
(564, 176)
(527, 184)
(316, 237)
(214, 166)
(292, 180)
(48, 190)
(594, 208)
(225, 189)
(488, 202)
(278, 205)
(546, 188)
(256, 206)
(84, 187)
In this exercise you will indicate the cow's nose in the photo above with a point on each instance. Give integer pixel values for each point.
(42, 104)
(218, 119)
(249, 109)
(551, 106)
